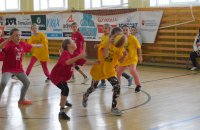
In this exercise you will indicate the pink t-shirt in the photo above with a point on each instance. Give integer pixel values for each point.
(13, 55)
(1, 50)
(77, 37)
(62, 72)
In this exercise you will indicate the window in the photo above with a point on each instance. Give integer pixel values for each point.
(50, 5)
(10, 5)
(89, 4)
(174, 2)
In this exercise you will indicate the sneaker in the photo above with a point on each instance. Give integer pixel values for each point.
(63, 115)
(68, 104)
(115, 111)
(193, 68)
(71, 81)
(130, 80)
(138, 88)
(25, 102)
(84, 102)
(47, 80)
(102, 85)
(85, 80)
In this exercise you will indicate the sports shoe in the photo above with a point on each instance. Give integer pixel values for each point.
(63, 115)
(85, 80)
(68, 104)
(193, 68)
(138, 88)
(115, 111)
(47, 80)
(84, 101)
(25, 102)
(130, 81)
(102, 85)
(71, 81)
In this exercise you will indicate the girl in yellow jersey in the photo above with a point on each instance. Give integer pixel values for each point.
(41, 54)
(133, 49)
(104, 40)
(113, 52)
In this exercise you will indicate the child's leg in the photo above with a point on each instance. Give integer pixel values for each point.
(24, 79)
(116, 90)
(80, 71)
(129, 78)
(102, 85)
(135, 74)
(30, 66)
(120, 70)
(88, 92)
(125, 75)
(4, 80)
(64, 94)
(45, 69)
(136, 77)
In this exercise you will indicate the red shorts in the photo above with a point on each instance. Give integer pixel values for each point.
(80, 62)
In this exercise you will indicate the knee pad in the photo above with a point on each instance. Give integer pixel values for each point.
(65, 91)
(76, 67)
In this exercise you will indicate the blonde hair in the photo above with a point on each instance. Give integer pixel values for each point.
(34, 25)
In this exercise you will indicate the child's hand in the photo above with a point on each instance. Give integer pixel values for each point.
(125, 53)
(96, 45)
(39, 46)
(140, 59)
(10, 38)
(82, 55)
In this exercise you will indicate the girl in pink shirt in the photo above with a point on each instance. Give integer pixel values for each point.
(63, 71)
(14, 50)
(77, 37)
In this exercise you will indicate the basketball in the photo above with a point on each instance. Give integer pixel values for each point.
(119, 40)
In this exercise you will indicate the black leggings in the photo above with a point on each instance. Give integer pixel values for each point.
(193, 56)
(125, 75)
(64, 88)
(116, 89)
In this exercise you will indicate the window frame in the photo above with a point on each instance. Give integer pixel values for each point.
(121, 5)
(65, 6)
(171, 3)
(11, 10)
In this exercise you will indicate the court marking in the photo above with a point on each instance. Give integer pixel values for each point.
(98, 114)
(177, 123)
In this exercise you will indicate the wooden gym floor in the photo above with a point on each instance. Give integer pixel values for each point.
(170, 100)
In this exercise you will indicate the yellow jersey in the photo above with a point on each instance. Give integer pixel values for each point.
(42, 54)
(106, 69)
(131, 47)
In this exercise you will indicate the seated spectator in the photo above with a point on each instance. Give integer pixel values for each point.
(196, 52)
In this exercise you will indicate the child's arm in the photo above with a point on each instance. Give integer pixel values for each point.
(106, 48)
(84, 46)
(3, 44)
(96, 45)
(139, 51)
(72, 60)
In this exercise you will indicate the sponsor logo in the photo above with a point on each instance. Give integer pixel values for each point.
(53, 22)
(11, 21)
(114, 19)
(67, 34)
